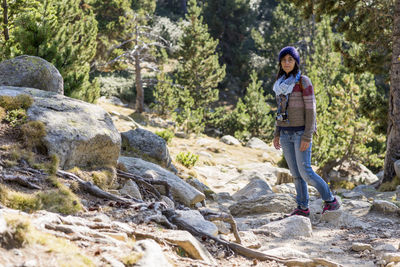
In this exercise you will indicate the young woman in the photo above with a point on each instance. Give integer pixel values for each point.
(295, 125)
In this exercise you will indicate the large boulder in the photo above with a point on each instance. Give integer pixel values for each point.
(180, 190)
(143, 142)
(253, 190)
(79, 133)
(32, 72)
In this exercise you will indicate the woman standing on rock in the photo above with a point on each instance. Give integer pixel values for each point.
(295, 125)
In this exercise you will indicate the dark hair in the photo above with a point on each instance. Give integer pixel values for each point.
(282, 72)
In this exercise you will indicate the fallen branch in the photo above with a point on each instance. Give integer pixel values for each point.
(91, 188)
(212, 216)
(239, 249)
(147, 183)
(21, 180)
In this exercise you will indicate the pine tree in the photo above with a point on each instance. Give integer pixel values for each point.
(229, 22)
(260, 120)
(63, 33)
(199, 71)
(343, 132)
(165, 100)
(114, 19)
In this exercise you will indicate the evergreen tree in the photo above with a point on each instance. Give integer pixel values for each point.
(261, 122)
(229, 22)
(165, 100)
(199, 71)
(63, 33)
(114, 19)
(343, 132)
(371, 30)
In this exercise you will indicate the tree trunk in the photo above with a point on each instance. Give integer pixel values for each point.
(139, 84)
(5, 20)
(393, 132)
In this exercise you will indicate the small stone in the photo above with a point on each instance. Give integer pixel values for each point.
(385, 247)
(391, 257)
(220, 254)
(360, 246)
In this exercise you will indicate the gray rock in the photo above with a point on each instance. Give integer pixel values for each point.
(398, 192)
(360, 246)
(111, 100)
(152, 254)
(31, 72)
(230, 140)
(282, 203)
(131, 189)
(339, 218)
(189, 243)
(253, 190)
(290, 227)
(3, 224)
(180, 190)
(249, 239)
(144, 142)
(384, 206)
(354, 195)
(199, 185)
(196, 220)
(385, 247)
(79, 133)
(397, 167)
(367, 190)
(286, 252)
(257, 143)
(353, 172)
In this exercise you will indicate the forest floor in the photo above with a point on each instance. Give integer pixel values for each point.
(333, 243)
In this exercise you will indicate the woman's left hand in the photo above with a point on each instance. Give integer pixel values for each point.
(304, 145)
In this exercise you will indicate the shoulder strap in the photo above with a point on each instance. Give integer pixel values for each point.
(301, 83)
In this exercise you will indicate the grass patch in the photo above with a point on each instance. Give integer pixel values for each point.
(63, 251)
(105, 178)
(132, 258)
(389, 186)
(2, 114)
(342, 184)
(22, 101)
(16, 117)
(60, 200)
(33, 133)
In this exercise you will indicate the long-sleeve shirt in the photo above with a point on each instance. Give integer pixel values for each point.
(301, 109)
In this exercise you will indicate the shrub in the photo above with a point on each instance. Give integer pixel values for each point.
(33, 133)
(16, 117)
(20, 101)
(167, 135)
(2, 113)
(187, 159)
(390, 186)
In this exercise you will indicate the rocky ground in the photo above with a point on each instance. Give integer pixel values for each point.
(243, 181)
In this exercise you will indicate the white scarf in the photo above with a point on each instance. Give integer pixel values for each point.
(284, 86)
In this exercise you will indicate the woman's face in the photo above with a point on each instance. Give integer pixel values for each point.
(287, 63)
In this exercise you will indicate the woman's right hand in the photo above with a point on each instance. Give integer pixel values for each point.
(276, 142)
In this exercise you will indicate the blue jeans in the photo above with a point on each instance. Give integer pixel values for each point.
(300, 166)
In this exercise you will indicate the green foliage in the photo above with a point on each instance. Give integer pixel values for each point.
(164, 95)
(198, 72)
(390, 185)
(16, 117)
(251, 116)
(187, 159)
(341, 124)
(167, 135)
(33, 133)
(114, 19)
(230, 23)
(22, 101)
(367, 29)
(64, 33)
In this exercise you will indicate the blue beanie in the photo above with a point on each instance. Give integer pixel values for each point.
(291, 51)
